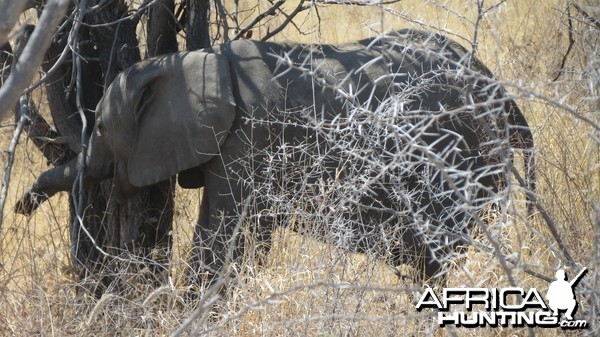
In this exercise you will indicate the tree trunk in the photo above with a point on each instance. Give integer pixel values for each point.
(162, 28)
(198, 15)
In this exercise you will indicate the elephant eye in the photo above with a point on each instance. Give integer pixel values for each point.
(99, 128)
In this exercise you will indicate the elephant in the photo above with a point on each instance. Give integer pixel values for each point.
(402, 131)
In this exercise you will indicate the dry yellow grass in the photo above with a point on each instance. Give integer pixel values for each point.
(309, 288)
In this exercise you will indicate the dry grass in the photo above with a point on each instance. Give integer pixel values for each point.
(309, 288)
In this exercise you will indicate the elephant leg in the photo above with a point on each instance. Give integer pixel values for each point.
(427, 242)
(202, 256)
(226, 237)
(204, 260)
(152, 225)
(427, 266)
(219, 238)
(412, 250)
(403, 243)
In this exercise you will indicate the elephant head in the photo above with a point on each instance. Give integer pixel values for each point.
(157, 118)
(179, 107)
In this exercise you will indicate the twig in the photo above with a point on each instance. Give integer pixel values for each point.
(206, 302)
(547, 218)
(32, 55)
(236, 12)
(571, 43)
(257, 19)
(531, 94)
(481, 13)
(356, 2)
(474, 43)
(222, 19)
(301, 7)
(592, 13)
(11, 153)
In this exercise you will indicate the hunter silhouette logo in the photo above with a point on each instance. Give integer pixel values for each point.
(514, 306)
(561, 295)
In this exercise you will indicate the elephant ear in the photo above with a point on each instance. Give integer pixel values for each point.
(184, 107)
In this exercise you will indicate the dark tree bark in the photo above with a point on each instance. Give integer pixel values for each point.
(38, 130)
(162, 28)
(117, 43)
(198, 15)
(55, 149)
(61, 92)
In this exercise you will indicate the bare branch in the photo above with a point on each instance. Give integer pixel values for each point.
(301, 7)
(571, 43)
(222, 19)
(9, 14)
(591, 13)
(357, 2)
(11, 156)
(546, 216)
(33, 54)
(258, 18)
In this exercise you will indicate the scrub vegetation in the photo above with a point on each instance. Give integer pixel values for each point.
(545, 52)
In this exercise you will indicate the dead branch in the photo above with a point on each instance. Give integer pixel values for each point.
(33, 54)
(9, 14)
(592, 13)
(222, 19)
(53, 146)
(546, 216)
(258, 18)
(357, 2)
(11, 155)
(569, 48)
(301, 7)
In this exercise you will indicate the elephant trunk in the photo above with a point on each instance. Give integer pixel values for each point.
(60, 178)
(98, 166)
